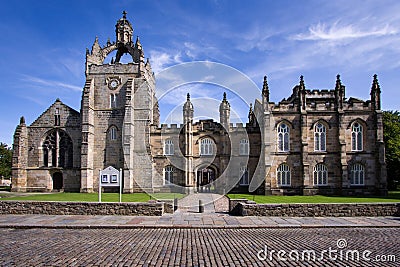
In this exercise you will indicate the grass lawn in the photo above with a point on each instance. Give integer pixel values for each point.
(394, 196)
(92, 197)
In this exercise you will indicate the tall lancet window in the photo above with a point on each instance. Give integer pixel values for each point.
(356, 137)
(57, 117)
(283, 138)
(113, 100)
(320, 137)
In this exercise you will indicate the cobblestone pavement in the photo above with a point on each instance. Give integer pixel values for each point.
(198, 247)
(191, 220)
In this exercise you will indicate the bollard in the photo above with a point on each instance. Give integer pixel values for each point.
(175, 204)
(201, 206)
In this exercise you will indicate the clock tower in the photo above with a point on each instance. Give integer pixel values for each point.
(118, 107)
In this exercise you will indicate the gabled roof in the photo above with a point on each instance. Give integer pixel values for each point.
(47, 117)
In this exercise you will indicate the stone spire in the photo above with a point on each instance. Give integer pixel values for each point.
(188, 110)
(265, 90)
(224, 112)
(376, 93)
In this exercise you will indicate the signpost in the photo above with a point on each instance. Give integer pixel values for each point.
(110, 177)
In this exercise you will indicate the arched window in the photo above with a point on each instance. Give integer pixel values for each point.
(57, 119)
(112, 133)
(57, 150)
(283, 137)
(206, 147)
(320, 174)
(244, 175)
(283, 174)
(357, 174)
(168, 147)
(320, 137)
(113, 100)
(356, 137)
(169, 174)
(244, 147)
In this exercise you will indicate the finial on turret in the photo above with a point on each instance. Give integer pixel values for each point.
(302, 85)
(22, 120)
(124, 13)
(188, 97)
(265, 90)
(224, 97)
(338, 82)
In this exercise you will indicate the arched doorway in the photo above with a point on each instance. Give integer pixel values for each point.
(58, 181)
(205, 176)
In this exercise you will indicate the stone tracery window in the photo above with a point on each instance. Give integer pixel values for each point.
(283, 174)
(357, 174)
(206, 147)
(320, 137)
(244, 147)
(244, 175)
(57, 149)
(283, 137)
(169, 174)
(320, 174)
(356, 137)
(168, 147)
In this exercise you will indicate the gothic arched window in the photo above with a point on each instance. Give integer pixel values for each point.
(57, 149)
(283, 137)
(168, 147)
(112, 133)
(244, 147)
(244, 175)
(356, 137)
(320, 174)
(169, 174)
(283, 174)
(357, 174)
(206, 147)
(320, 137)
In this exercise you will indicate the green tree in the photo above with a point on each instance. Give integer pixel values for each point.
(5, 160)
(391, 128)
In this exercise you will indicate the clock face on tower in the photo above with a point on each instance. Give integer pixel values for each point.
(113, 84)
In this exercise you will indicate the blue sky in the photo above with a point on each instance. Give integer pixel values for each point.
(43, 44)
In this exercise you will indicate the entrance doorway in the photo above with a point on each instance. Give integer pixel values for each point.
(205, 177)
(57, 181)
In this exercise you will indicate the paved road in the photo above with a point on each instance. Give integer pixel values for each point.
(194, 247)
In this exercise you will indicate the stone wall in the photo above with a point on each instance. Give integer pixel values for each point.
(250, 208)
(151, 208)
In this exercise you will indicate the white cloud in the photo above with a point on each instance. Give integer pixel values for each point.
(49, 83)
(160, 60)
(321, 31)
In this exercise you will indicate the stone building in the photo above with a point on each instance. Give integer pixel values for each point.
(314, 142)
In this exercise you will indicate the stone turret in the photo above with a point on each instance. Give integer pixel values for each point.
(224, 112)
(188, 111)
(123, 30)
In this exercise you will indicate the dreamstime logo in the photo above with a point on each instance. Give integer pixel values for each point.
(338, 253)
(206, 82)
